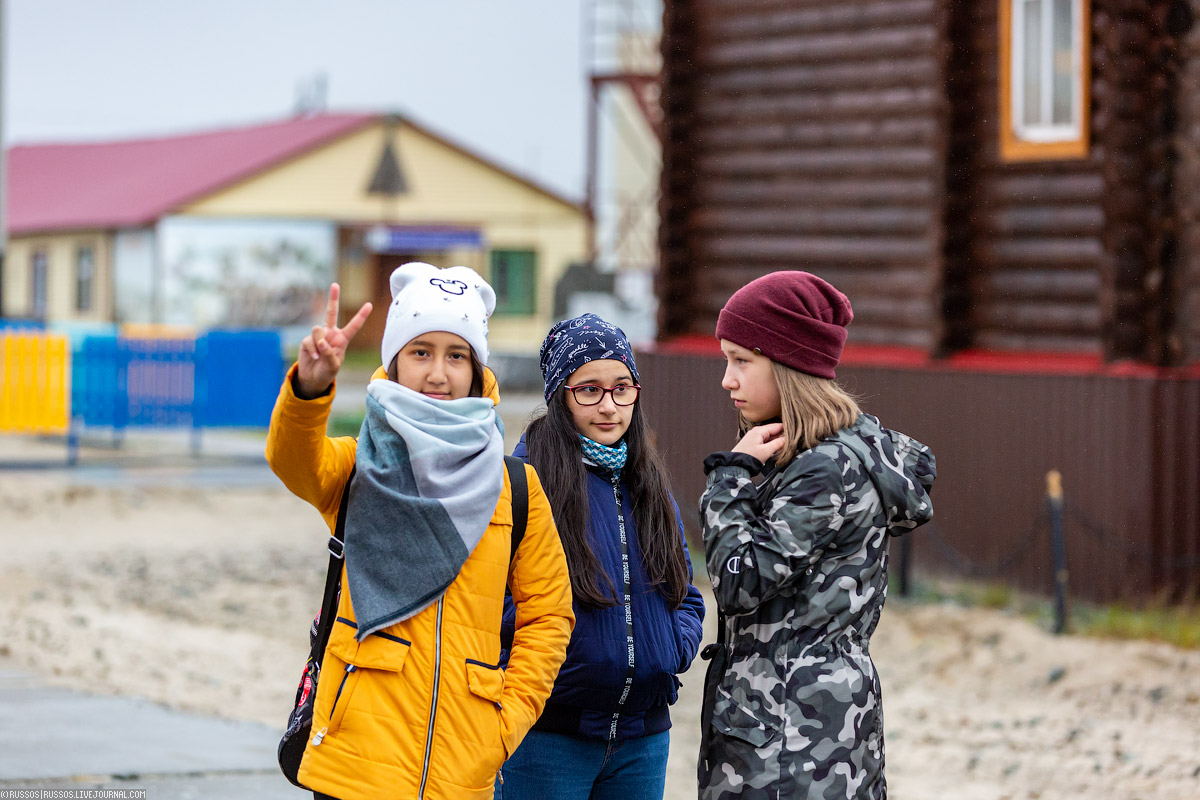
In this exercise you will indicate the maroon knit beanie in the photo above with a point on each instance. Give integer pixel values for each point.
(793, 317)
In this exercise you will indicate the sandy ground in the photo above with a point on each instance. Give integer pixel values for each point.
(200, 598)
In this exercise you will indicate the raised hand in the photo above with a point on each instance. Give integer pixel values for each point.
(762, 441)
(323, 351)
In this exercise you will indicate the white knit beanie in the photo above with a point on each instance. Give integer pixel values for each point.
(426, 298)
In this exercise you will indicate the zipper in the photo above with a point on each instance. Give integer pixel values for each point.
(629, 672)
(320, 736)
(437, 674)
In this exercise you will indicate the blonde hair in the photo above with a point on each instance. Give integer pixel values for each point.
(811, 408)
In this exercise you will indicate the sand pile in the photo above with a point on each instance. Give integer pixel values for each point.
(200, 598)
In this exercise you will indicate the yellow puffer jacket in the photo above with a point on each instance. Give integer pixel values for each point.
(420, 709)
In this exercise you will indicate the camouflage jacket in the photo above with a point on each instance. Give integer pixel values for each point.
(799, 567)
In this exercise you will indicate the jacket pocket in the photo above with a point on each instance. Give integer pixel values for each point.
(486, 681)
(743, 721)
(744, 742)
(348, 681)
(380, 652)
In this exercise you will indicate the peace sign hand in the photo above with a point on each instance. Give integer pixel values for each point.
(323, 351)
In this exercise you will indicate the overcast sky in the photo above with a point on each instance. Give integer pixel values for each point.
(505, 77)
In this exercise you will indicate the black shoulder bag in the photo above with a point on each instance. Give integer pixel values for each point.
(717, 656)
(299, 725)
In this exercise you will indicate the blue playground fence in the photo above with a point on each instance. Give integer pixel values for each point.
(238, 377)
(220, 379)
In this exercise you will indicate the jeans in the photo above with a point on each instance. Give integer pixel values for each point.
(553, 766)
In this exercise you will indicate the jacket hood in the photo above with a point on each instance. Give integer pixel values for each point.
(901, 469)
(491, 387)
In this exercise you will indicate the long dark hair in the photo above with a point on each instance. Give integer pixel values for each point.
(555, 452)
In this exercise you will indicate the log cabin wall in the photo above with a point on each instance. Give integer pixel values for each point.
(1135, 71)
(1026, 251)
(1184, 336)
(806, 135)
(861, 141)
(677, 263)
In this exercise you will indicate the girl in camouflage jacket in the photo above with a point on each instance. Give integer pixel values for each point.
(798, 561)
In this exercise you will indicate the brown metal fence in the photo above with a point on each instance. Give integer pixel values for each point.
(1128, 448)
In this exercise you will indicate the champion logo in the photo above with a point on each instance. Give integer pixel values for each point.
(734, 565)
(449, 287)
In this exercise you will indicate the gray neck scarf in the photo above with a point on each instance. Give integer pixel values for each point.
(429, 475)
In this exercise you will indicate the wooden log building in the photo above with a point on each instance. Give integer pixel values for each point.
(1007, 191)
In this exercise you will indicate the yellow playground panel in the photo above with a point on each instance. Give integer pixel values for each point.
(35, 385)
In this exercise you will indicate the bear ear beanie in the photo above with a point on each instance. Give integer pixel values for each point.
(793, 318)
(427, 298)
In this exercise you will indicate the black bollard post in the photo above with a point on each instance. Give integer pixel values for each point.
(1058, 548)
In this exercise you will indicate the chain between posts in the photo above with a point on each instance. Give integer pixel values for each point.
(1054, 516)
(978, 570)
(1115, 544)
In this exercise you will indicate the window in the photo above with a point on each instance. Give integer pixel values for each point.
(37, 284)
(85, 271)
(514, 277)
(1044, 68)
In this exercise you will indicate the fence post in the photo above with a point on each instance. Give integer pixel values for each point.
(1058, 547)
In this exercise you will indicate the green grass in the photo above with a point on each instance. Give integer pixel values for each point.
(967, 593)
(1153, 620)
(361, 359)
(344, 424)
(356, 359)
(1177, 625)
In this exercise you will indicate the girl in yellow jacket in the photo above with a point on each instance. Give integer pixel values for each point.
(411, 702)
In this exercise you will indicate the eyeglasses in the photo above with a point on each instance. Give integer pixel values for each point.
(623, 394)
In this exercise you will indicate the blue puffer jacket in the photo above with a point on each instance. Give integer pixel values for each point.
(587, 697)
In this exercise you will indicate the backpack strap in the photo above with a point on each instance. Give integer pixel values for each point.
(333, 578)
(520, 501)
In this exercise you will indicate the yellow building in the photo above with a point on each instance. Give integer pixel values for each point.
(248, 226)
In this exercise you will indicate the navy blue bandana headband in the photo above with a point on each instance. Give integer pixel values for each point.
(574, 342)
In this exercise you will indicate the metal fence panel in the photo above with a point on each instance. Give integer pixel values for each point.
(239, 377)
(33, 382)
(222, 379)
(97, 384)
(1127, 447)
(160, 381)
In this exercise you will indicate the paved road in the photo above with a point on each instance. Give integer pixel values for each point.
(54, 738)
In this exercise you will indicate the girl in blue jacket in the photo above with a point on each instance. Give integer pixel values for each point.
(639, 620)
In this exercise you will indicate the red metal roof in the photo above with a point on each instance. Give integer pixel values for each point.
(134, 182)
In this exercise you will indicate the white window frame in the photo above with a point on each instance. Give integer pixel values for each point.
(1046, 132)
